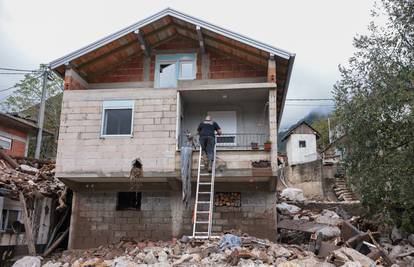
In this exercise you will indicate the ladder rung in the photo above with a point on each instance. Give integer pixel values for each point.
(203, 183)
(202, 222)
(200, 232)
(203, 202)
(203, 211)
(204, 192)
(205, 174)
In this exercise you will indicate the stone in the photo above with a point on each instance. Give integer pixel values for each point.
(396, 235)
(329, 217)
(184, 258)
(162, 256)
(329, 232)
(345, 254)
(185, 239)
(123, 262)
(351, 264)
(28, 261)
(52, 264)
(411, 239)
(395, 251)
(293, 194)
(150, 258)
(246, 263)
(287, 209)
(280, 251)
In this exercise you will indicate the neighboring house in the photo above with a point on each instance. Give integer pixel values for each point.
(335, 151)
(15, 132)
(134, 93)
(301, 144)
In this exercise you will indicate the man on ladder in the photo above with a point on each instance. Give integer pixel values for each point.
(207, 131)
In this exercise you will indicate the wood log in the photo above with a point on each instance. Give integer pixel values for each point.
(56, 243)
(27, 226)
(8, 159)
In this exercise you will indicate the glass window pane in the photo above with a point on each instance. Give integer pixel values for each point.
(117, 121)
(187, 71)
(5, 142)
(302, 143)
(167, 75)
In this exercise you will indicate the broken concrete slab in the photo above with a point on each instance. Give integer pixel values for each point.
(293, 194)
(344, 255)
(285, 208)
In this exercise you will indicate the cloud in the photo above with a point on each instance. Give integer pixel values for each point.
(320, 32)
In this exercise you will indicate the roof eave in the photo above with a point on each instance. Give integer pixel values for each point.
(171, 12)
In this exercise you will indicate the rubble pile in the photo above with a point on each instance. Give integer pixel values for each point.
(30, 180)
(249, 251)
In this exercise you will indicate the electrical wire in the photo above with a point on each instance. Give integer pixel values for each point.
(15, 73)
(310, 99)
(6, 89)
(11, 69)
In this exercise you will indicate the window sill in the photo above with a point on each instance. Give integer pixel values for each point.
(116, 136)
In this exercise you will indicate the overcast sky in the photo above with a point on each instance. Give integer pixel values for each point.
(319, 32)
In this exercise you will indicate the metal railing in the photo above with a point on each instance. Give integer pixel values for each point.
(234, 141)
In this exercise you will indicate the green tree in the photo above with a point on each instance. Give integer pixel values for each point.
(25, 101)
(321, 125)
(374, 101)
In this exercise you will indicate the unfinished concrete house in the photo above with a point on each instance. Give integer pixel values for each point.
(133, 95)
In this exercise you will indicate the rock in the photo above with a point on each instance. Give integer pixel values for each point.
(329, 232)
(287, 209)
(411, 239)
(396, 235)
(150, 258)
(28, 261)
(344, 255)
(395, 251)
(185, 239)
(123, 262)
(162, 256)
(279, 251)
(311, 262)
(184, 258)
(246, 263)
(52, 264)
(329, 217)
(351, 264)
(293, 194)
(230, 241)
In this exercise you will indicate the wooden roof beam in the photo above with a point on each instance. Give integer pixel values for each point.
(201, 40)
(143, 44)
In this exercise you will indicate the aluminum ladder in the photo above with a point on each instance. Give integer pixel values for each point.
(203, 210)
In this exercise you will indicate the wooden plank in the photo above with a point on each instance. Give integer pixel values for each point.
(201, 40)
(27, 226)
(143, 44)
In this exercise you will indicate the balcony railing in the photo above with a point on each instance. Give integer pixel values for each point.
(237, 141)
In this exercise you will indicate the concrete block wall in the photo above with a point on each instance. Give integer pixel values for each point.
(95, 220)
(82, 150)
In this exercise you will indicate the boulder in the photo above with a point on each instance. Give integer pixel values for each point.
(329, 232)
(344, 255)
(287, 209)
(293, 194)
(150, 258)
(396, 235)
(28, 261)
(329, 217)
(411, 239)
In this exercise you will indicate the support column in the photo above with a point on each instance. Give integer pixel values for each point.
(273, 128)
(146, 69)
(271, 69)
(205, 66)
(73, 221)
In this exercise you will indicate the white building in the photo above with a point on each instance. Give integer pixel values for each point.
(301, 144)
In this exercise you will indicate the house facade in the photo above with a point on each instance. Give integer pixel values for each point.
(14, 134)
(134, 94)
(301, 144)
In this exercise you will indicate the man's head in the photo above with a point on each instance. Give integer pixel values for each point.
(208, 118)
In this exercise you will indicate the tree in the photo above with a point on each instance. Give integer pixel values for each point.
(25, 101)
(374, 105)
(321, 126)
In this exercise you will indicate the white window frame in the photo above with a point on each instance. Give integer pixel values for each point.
(177, 59)
(117, 104)
(8, 140)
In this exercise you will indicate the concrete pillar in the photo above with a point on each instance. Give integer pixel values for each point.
(73, 81)
(177, 213)
(205, 66)
(146, 69)
(273, 128)
(73, 221)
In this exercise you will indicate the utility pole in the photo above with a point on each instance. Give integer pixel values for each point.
(41, 115)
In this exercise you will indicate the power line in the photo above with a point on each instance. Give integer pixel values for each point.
(15, 73)
(17, 69)
(6, 89)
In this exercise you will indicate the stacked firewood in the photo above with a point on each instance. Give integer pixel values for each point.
(227, 199)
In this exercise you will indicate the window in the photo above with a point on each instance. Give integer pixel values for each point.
(8, 218)
(117, 118)
(5, 142)
(302, 143)
(171, 68)
(227, 120)
(128, 201)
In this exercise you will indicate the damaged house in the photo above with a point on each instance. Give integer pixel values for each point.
(134, 94)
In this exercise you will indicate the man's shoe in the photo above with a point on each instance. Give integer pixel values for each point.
(209, 167)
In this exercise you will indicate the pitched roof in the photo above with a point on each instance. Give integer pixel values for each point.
(297, 125)
(14, 121)
(173, 13)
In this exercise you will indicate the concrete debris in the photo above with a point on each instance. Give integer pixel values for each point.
(230, 241)
(292, 194)
(344, 255)
(285, 208)
(28, 261)
(329, 217)
(329, 232)
(396, 235)
(30, 180)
